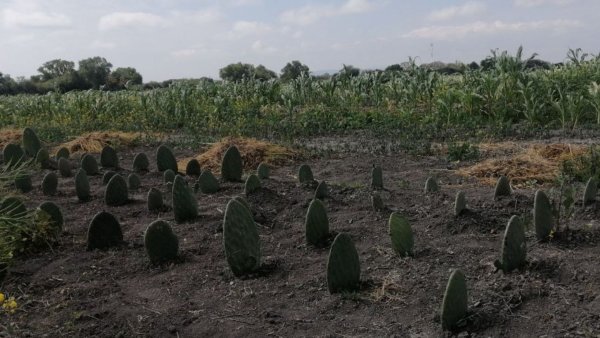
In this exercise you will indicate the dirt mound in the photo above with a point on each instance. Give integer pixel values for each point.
(95, 141)
(253, 152)
(10, 136)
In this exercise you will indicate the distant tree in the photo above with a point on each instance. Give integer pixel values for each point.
(120, 78)
(56, 68)
(348, 71)
(394, 68)
(473, 65)
(95, 71)
(293, 70)
(236, 72)
(8, 86)
(263, 73)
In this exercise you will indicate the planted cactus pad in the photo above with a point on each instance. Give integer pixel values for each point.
(185, 205)
(305, 174)
(64, 167)
(43, 158)
(107, 176)
(169, 176)
(193, 168)
(116, 192)
(104, 232)
(460, 203)
(343, 266)
(31, 143)
(252, 184)
(377, 178)
(154, 200)
(63, 153)
(13, 206)
(401, 234)
(240, 239)
(56, 217)
(133, 181)
(109, 158)
(23, 183)
(165, 159)
(141, 163)
(431, 185)
(49, 184)
(231, 166)
(322, 190)
(160, 242)
(82, 186)
(12, 154)
(316, 223)
(543, 218)
(455, 303)
(377, 202)
(502, 187)
(208, 183)
(89, 164)
(591, 189)
(514, 246)
(263, 171)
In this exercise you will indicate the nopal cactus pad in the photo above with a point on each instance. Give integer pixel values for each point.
(208, 183)
(401, 234)
(23, 183)
(322, 190)
(460, 203)
(514, 247)
(185, 205)
(165, 159)
(377, 178)
(240, 239)
(31, 143)
(82, 186)
(56, 216)
(169, 176)
(104, 232)
(252, 184)
(231, 165)
(263, 171)
(305, 174)
(13, 206)
(64, 167)
(591, 189)
(160, 242)
(502, 187)
(141, 163)
(12, 154)
(343, 266)
(316, 223)
(154, 200)
(133, 181)
(116, 192)
(193, 168)
(49, 184)
(107, 176)
(63, 153)
(43, 158)
(543, 218)
(455, 303)
(431, 185)
(89, 164)
(109, 158)
(377, 202)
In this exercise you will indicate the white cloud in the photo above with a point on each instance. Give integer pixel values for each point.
(356, 6)
(34, 19)
(130, 19)
(259, 47)
(468, 9)
(481, 27)
(183, 53)
(99, 44)
(535, 3)
(311, 13)
(241, 28)
(209, 15)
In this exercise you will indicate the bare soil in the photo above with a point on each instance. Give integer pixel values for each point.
(68, 291)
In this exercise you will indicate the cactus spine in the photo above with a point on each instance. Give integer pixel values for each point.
(343, 266)
(82, 186)
(542, 215)
(502, 187)
(160, 242)
(240, 239)
(165, 159)
(49, 184)
(455, 303)
(231, 166)
(141, 163)
(185, 205)
(109, 158)
(104, 232)
(401, 234)
(116, 192)
(514, 246)
(316, 224)
(252, 184)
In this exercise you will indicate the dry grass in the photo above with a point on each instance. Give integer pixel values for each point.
(10, 136)
(253, 152)
(95, 141)
(539, 162)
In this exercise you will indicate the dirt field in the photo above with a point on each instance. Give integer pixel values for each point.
(68, 291)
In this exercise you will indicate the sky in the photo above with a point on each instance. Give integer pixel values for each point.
(167, 39)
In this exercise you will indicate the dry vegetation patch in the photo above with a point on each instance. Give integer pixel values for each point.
(95, 141)
(8, 135)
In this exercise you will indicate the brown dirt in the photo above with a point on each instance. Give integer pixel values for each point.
(68, 291)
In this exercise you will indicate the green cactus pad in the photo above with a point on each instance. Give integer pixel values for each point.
(193, 168)
(169, 176)
(13, 206)
(460, 203)
(23, 183)
(31, 143)
(543, 218)
(343, 266)
(455, 303)
(63, 153)
(377, 202)
(82, 186)
(591, 189)
(514, 246)
(13, 154)
(305, 174)
(208, 183)
(502, 187)
(89, 164)
(185, 205)
(56, 217)
(133, 181)
(316, 224)
(165, 159)
(107, 176)
(155, 200)
(64, 167)
(116, 192)
(49, 184)
(431, 185)
(244, 202)
(377, 178)
(252, 184)
(263, 171)
(401, 234)
(104, 232)
(240, 239)
(322, 190)
(109, 158)
(160, 242)
(231, 166)
(141, 163)
(43, 158)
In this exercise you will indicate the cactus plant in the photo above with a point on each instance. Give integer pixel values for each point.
(185, 205)
(455, 303)
(56, 217)
(107, 176)
(13, 206)
(23, 183)
(64, 167)
(12, 154)
(208, 183)
(89, 164)
(63, 153)
(543, 219)
(155, 200)
(133, 181)
(31, 143)
(322, 190)
(591, 189)
(109, 158)
(141, 163)
(316, 223)
(377, 202)
(49, 184)
(82, 186)
(160, 242)
(431, 185)
(165, 159)
(460, 203)
(104, 232)
(263, 171)
(252, 184)
(169, 176)
(231, 165)
(514, 246)
(192, 168)
(305, 174)
(502, 187)
(377, 178)
(401, 234)
(343, 266)
(116, 192)
(43, 158)
(240, 239)
(244, 202)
